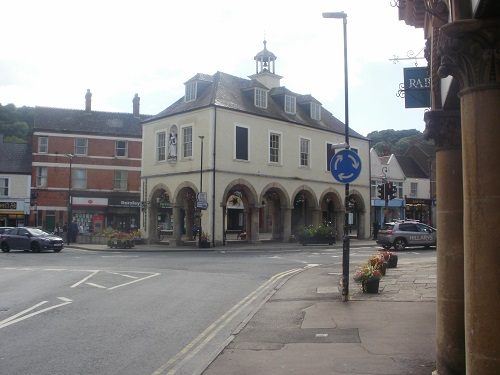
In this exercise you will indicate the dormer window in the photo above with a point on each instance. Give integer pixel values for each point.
(290, 104)
(190, 91)
(316, 111)
(260, 98)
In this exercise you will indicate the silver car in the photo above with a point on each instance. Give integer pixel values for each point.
(26, 238)
(401, 234)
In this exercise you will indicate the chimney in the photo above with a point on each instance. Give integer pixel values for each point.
(135, 103)
(88, 100)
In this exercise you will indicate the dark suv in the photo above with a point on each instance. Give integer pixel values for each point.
(406, 233)
(26, 238)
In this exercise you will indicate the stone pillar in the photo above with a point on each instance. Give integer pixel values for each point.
(254, 225)
(287, 223)
(469, 52)
(444, 128)
(177, 230)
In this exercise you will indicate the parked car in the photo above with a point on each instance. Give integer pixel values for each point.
(4, 229)
(26, 238)
(401, 234)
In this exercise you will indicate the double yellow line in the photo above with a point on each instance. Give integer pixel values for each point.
(190, 350)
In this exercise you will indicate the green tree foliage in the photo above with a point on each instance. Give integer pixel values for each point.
(387, 142)
(16, 123)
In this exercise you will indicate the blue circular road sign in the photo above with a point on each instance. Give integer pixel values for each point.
(345, 166)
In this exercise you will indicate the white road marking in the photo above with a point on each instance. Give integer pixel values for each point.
(135, 281)
(96, 285)
(84, 279)
(124, 275)
(19, 316)
(120, 256)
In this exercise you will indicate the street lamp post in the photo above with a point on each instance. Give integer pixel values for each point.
(201, 185)
(346, 243)
(70, 207)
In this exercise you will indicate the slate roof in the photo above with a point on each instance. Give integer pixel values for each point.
(15, 158)
(227, 91)
(78, 121)
(410, 167)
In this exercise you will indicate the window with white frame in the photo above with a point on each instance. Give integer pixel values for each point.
(43, 145)
(41, 177)
(191, 89)
(260, 98)
(81, 146)
(413, 189)
(121, 148)
(4, 187)
(161, 150)
(304, 152)
(187, 142)
(315, 111)
(274, 148)
(290, 104)
(120, 180)
(399, 186)
(79, 178)
(241, 143)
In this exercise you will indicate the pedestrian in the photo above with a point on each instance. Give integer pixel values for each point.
(376, 228)
(73, 231)
(58, 230)
(195, 231)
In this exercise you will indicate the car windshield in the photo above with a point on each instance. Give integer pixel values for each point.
(38, 232)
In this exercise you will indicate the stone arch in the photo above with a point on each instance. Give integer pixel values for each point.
(184, 203)
(357, 206)
(153, 209)
(249, 213)
(305, 208)
(332, 210)
(275, 211)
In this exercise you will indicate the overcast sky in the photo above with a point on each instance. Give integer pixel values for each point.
(53, 51)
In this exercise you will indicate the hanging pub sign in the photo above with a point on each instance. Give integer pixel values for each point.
(417, 86)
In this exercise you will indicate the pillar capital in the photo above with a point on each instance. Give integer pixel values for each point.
(470, 52)
(444, 128)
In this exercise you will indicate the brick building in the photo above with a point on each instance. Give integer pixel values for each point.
(87, 164)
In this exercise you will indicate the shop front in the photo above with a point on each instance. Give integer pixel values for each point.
(94, 214)
(419, 209)
(14, 213)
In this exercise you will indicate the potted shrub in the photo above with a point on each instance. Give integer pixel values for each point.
(391, 259)
(119, 239)
(205, 240)
(322, 234)
(369, 278)
(378, 262)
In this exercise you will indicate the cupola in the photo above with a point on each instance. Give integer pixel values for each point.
(265, 68)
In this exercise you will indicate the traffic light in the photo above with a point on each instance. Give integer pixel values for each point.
(381, 191)
(391, 190)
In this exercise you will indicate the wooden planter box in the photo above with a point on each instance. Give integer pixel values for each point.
(121, 244)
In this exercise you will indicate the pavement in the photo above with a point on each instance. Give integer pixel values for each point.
(303, 327)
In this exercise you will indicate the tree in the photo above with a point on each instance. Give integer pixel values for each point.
(16, 123)
(390, 141)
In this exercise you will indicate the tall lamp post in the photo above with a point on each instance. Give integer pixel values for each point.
(346, 243)
(201, 185)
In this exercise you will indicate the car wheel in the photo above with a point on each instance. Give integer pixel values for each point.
(5, 247)
(400, 244)
(35, 247)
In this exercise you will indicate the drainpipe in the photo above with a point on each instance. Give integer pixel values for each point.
(213, 179)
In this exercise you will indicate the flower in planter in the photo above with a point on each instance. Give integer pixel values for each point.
(205, 237)
(366, 273)
(377, 261)
(321, 231)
